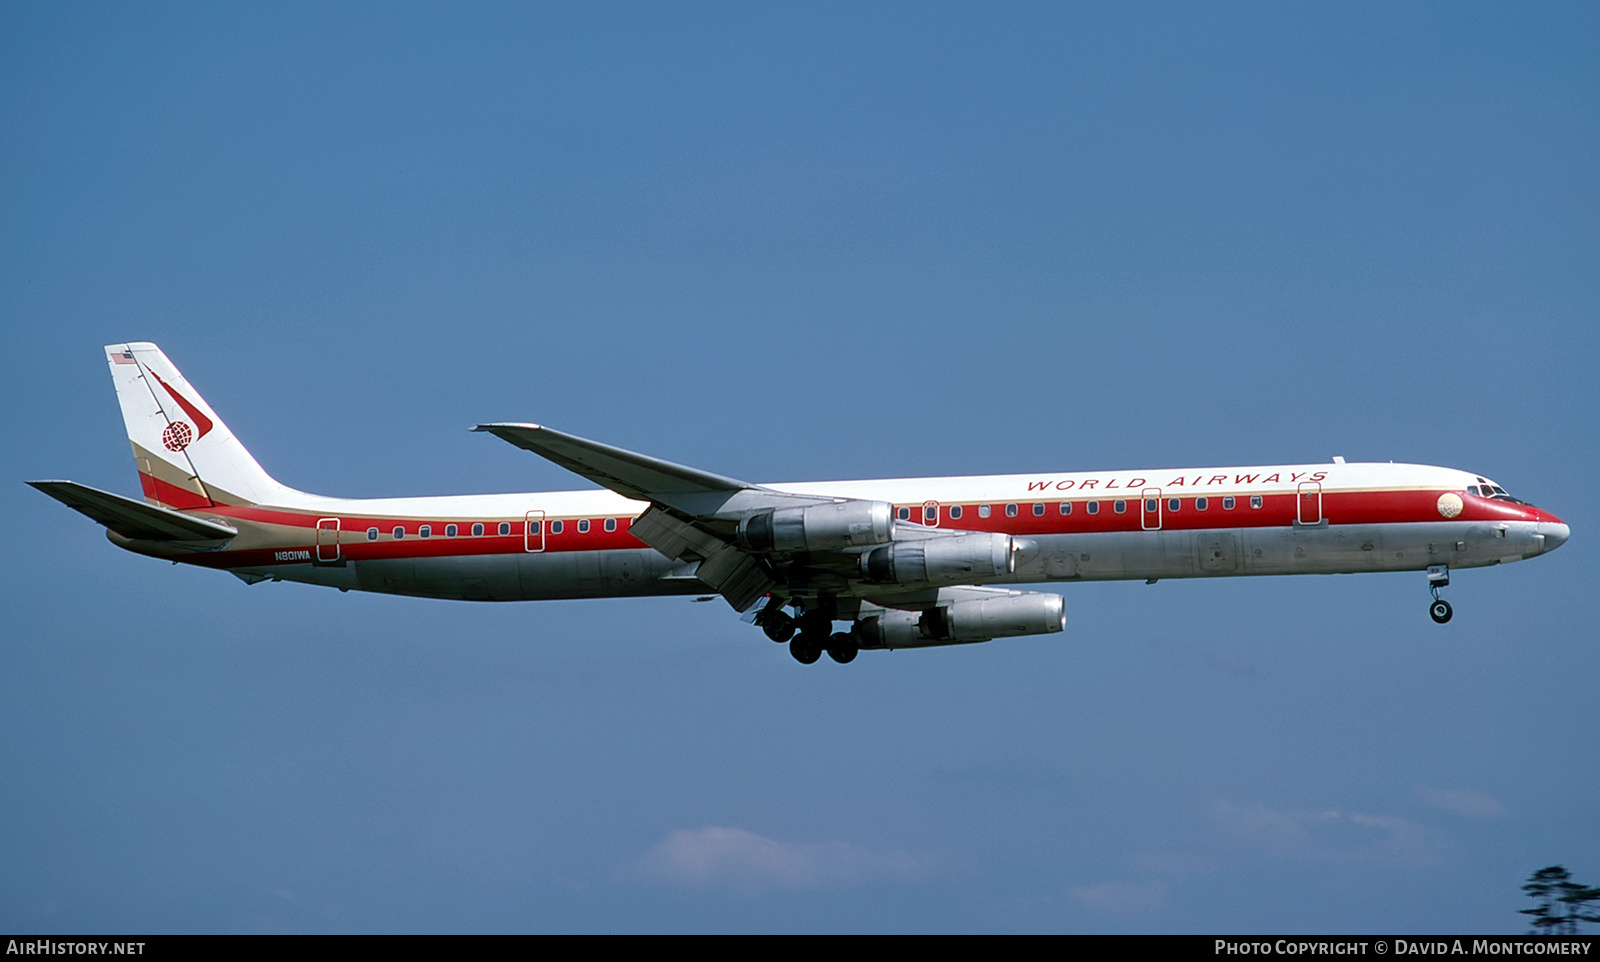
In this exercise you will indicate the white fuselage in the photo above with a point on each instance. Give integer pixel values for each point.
(1166, 523)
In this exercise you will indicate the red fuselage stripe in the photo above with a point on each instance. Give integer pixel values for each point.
(1277, 510)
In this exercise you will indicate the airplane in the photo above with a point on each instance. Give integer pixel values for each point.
(908, 563)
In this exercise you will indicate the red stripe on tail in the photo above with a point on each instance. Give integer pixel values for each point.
(201, 422)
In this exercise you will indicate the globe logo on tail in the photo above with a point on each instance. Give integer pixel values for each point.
(177, 436)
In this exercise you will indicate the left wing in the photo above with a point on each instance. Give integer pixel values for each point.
(748, 540)
(694, 515)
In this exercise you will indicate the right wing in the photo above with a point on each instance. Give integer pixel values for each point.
(631, 475)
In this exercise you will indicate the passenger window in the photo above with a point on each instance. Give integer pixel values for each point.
(477, 529)
(505, 527)
(904, 514)
(955, 512)
(1119, 506)
(1149, 504)
(426, 531)
(1174, 504)
(1038, 511)
(1011, 511)
(611, 524)
(399, 532)
(583, 526)
(372, 534)
(1065, 507)
(1227, 503)
(930, 515)
(1255, 501)
(555, 527)
(1200, 504)
(983, 511)
(450, 530)
(534, 527)
(1094, 507)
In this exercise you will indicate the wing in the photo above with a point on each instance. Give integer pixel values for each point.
(747, 540)
(694, 515)
(631, 475)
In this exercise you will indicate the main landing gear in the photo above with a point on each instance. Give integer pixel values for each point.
(1438, 577)
(776, 624)
(808, 635)
(841, 646)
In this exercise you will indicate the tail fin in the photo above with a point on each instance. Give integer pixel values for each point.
(187, 458)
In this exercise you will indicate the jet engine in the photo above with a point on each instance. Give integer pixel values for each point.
(818, 527)
(1007, 614)
(961, 559)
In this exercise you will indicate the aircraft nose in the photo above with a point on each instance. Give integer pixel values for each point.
(1555, 534)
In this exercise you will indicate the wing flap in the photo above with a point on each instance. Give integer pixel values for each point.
(135, 519)
(739, 577)
(672, 537)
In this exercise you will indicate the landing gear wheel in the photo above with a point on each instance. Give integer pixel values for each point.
(779, 627)
(1440, 611)
(842, 648)
(804, 650)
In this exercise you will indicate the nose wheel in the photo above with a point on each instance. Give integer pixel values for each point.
(1440, 610)
(1438, 577)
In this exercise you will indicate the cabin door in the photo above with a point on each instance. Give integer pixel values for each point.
(1310, 503)
(1150, 509)
(327, 540)
(533, 531)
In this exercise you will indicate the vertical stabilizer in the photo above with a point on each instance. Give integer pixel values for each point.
(187, 458)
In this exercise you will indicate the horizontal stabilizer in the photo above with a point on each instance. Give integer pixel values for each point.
(134, 519)
(631, 475)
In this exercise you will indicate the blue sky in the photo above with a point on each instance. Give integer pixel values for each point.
(790, 243)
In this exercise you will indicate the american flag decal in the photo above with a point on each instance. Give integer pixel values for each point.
(122, 357)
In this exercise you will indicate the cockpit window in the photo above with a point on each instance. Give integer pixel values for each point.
(1488, 489)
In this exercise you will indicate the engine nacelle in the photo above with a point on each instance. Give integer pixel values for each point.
(963, 559)
(1008, 615)
(819, 527)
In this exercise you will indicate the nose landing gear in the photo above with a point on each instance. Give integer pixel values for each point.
(1439, 577)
